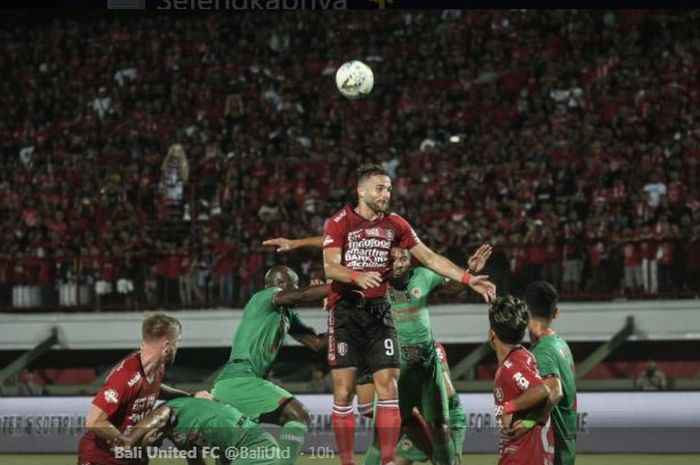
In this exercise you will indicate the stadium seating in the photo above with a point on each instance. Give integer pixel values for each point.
(565, 138)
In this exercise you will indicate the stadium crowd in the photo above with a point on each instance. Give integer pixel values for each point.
(143, 160)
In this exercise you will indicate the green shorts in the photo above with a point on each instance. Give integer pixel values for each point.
(253, 396)
(422, 386)
(201, 423)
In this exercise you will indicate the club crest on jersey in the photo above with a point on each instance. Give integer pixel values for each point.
(416, 292)
(498, 393)
(342, 349)
(111, 396)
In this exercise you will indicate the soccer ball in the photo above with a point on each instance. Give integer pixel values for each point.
(354, 79)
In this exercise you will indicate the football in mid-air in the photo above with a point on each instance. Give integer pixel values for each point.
(354, 79)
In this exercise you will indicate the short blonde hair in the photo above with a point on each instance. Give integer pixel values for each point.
(159, 325)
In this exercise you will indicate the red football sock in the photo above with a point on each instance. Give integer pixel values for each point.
(344, 429)
(388, 424)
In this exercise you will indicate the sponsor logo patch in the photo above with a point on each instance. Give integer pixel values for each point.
(111, 396)
(134, 380)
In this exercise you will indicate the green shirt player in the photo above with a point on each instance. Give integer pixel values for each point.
(556, 366)
(206, 428)
(424, 381)
(267, 319)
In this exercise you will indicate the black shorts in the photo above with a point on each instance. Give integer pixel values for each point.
(361, 334)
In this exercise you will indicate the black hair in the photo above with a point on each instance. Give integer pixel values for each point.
(541, 299)
(508, 318)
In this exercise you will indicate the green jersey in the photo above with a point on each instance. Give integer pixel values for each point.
(554, 359)
(409, 308)
(260, 335)
(197, 422)
(203, 423)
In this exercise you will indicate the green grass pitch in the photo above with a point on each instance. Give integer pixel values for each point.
(582, 459)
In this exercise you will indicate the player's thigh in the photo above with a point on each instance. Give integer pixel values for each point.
(434, 404)
(254, 397)
(344, 350)
(381, 348)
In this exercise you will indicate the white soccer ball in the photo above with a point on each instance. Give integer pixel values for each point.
(354, 79)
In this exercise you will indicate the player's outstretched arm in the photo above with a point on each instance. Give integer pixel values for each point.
(98, 422)
(442, 265)
(476, 263)
(337, 272)
(304, 295)
(285, 245)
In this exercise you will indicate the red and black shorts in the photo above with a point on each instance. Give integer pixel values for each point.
(361, 334)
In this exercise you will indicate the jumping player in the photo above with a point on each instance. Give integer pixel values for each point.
(267, 319)
(521, 396)
(356, 256)
(130, 392)
(197, 423)
(556, 366)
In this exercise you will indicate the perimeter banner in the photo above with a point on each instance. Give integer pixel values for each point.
(665, 422)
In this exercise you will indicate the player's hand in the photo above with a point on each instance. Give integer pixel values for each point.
(368, 279)
(152, 438)
(206, 395)
(282, 243)
(482, 285)
(478, 260)
(518, 428)
(121, 442)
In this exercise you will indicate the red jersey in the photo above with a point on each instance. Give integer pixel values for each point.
(126, 397)
(366, 246)
(536, 447)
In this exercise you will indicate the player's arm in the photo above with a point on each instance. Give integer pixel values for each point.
(555, 391)
(549, 370)
(98, 422)
(337, 272)
(285, 245)
(306, 334)
(169, 392)
(475, 264)
(445, 267)
(148, 430)
(304, 295)
(532, 397)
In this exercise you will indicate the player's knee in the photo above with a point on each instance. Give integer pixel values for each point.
(343, 393)
(387, 389)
